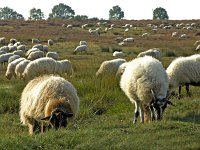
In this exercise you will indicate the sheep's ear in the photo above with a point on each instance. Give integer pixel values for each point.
(46, 118)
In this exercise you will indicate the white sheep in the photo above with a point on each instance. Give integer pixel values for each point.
(4, 48)
(48, 101)
(64, 66)
(2, 40)
(145, 83)
(4, 57)
(19, 52)
(30, 51)
(2, 52)
(175, 34)
(118, 54)
(198, 47)
(12, 58)
(94, 32)
(110, 67)
(10, 72)
(80, 48)
(53, 55)
(145, 34)
(22, 47)
(40, 66)
(38, 46)
(184, 71)
(83, 43)
(35, 55)
(50, 42)
(154, 52)
(35, 41)
(13, 41)
(121, 69)
(128, 40)
(20, 67)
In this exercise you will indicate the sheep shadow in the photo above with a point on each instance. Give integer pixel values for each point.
(191, 117)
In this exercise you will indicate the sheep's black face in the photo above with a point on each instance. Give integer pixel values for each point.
(59, 119)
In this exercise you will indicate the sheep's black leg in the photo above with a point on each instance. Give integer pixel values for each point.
(187, 89)
(179, 91)
(136, 114)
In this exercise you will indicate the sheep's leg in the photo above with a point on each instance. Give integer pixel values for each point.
(31, 128)
(187, 89)
(43, 128)
(141, 115)
(152, 111)
(136, 113)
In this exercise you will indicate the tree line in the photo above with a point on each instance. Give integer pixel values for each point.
(63, 11)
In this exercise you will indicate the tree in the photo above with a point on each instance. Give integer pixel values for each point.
(8, 13)
(160, 14)
(116, 13)
(36, 14)
(62, 11)
(80, 17)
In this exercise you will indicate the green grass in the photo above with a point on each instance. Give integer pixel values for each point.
(105, 117)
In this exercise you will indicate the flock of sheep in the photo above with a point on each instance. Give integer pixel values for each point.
(50, 100)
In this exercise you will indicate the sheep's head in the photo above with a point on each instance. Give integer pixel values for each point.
(159, 105)
(58, 118)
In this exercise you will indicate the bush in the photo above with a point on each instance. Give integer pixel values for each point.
(104, 48)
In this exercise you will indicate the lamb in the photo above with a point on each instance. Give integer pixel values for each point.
(145, 83)
(53, 55)
(184, 71)
(11, 68)
(110, 67)
(40, 66)
(154, 52)
(20, 67)
(48, 101)
(80, 48)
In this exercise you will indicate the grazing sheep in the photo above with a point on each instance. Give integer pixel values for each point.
(145, 34)
(35, 41)
(83, 43)
(184, 71)
(198, 47)
(94, 32)
(64, 66)
(118, 54)
(11, 68)
(20, 67)
(110, 67)
(50, 42)
(45, 48)
(128, 40)
(19, 52)
(4, 48)
(175, 34)
(4, 57)
(40, 66)
(154, 52)
(145, 83)
(38, 46)
(12, 48)
(12, 58)
(22, 47)
(49, 101)
(84, 26)
(80, 48)
(2, 40)
(13, 41)
(2, 52)
(30, 51)
(69, 26)
(121, 69)
(53, 55)
(197, 43)
(35, 55)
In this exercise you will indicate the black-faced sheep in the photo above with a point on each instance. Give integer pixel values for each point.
(145, 83)
(49, 101)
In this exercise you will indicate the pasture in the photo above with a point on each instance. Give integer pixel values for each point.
(105, 117)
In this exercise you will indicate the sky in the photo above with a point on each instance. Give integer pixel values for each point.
(133, 9)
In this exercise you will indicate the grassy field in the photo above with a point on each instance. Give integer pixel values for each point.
(105, 117)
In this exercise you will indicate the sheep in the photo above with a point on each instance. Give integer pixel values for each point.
(94, 32)
(19, 52)
(128, 40)
(12, 58)
(13, 41)
(22, 47)
(17, 44)
(4, 48)
(38, 46)
(84, 26)
(184, 71)
(35, 55)
(2, 40)
(20, 67)
(121, 69)
(48, 101)
(80, 48)
(198, 47)
(11, 68)
(154, 52)
(30, 51)
(50, 42)
(183, 36)
(35, 41)
(64, 66)
(145, 83)
(174, 34)
(145, 34)
(2, 52)
(45, 48)
(83, 43)
(53, 55)
(4, 57)
(12, 48)
(40, 66)
(110, 67)
(118, 54)
(197, 43)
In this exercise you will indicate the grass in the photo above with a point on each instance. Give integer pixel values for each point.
(105, 117)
